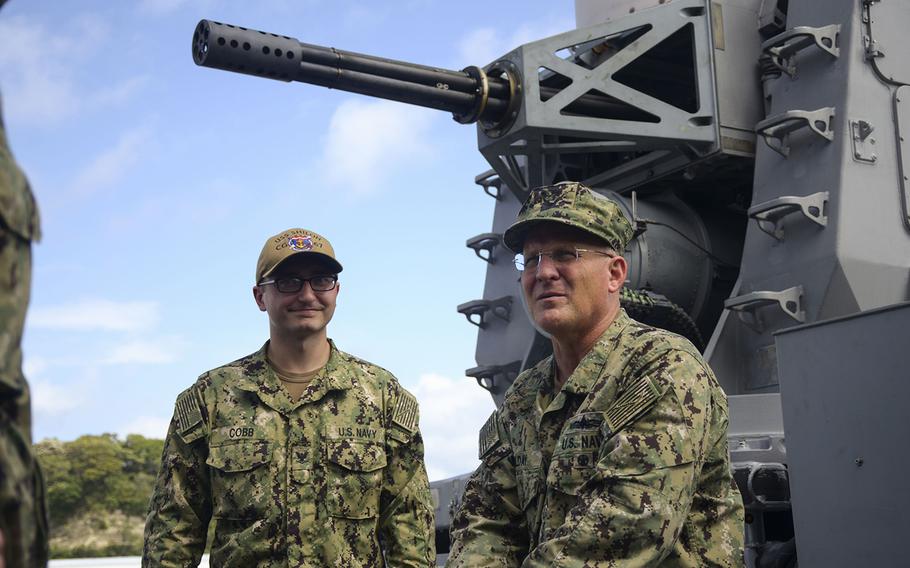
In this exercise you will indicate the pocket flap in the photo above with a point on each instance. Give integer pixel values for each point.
(569, 471)
(356, 455)
(529, 484)
(242, 456)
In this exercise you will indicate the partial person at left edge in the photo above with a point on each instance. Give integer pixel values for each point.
(23, 513)
(301, 454)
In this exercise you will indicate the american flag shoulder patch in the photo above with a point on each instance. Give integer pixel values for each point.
(489, 437)
(187, 411)
(632, 403)
(406, 411)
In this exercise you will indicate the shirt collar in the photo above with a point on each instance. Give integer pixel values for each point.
(589, 368)
(260, 378)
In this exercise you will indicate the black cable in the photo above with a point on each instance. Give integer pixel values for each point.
(658, 311)
(693, 243)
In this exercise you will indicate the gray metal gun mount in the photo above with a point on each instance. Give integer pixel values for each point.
(790, 257)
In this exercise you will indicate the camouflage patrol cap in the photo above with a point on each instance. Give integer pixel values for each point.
(288, 243)
(573, 204)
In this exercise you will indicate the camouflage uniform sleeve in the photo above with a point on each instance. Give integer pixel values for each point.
(718, 503)
(406, 521)
(489, 529)
(630, 510)
(181, 504)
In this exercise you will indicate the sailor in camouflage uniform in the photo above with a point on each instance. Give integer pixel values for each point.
(613, 451)
(302, 455)
(23, 517)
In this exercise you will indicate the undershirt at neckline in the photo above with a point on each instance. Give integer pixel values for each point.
(295, 383)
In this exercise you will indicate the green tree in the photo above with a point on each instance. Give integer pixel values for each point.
(64, 492)
(97, 463)
(100, 475)
(142, 454)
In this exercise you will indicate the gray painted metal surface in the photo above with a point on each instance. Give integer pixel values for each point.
(663, 134)
(885, 40)
(502, 345)
(591, 12)
(902, 123)
(835, 266)
(829, 187)
(845, 392)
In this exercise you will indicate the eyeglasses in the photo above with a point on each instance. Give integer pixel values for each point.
(293, 284)
(559, 257)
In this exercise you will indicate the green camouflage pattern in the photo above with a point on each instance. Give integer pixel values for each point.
(335, 478)
(18, 210)
(626, 466)
(23, 515)
(573, 204)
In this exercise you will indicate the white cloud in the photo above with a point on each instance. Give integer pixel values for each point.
(111, 165)
(33, 367)
(361, 14)
(166, 7)
(451, 414)
(121, 92)
(148, 426)
(142, 352)
(370, 141)
(37, 88)
(484, 45)
(52, 399)
(162, 6)
(40, 67)
(94, 314)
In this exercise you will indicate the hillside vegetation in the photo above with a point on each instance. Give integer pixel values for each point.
(98, 490)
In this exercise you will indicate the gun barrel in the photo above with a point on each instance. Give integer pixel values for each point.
(411, 72)
(470, 95)
(283, 58)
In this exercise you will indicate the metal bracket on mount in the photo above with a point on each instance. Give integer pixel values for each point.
(789, 301)
(782, 47)
(873, 51)
(475, 311)
(491, 183)
(484, 242)
(779, 127)
(770, 213)
(863, 142)
(485, 375)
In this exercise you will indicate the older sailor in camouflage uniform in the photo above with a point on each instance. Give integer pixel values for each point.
(613, 451)
(23, 519)
(303, 455)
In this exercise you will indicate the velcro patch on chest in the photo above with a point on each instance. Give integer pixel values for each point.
(406, 412)
(235, 432)
(635, 401)
(489, 437)
(187, 411)
(371, 432)
(586, 421)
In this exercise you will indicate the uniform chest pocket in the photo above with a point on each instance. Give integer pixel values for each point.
(354, 478)
(529, 486)
(528, 474)
(241, 479)
(574, 459)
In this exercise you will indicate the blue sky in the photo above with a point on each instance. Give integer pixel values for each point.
(158, 182)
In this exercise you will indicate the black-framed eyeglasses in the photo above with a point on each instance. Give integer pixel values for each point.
(559, 257)
(293, 284)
